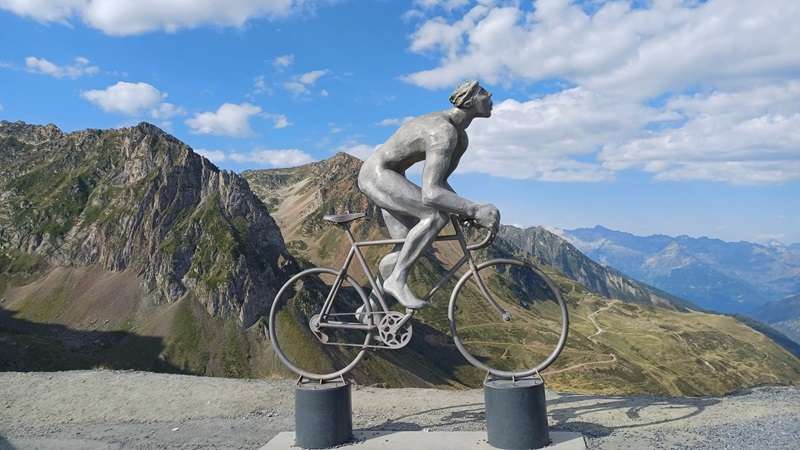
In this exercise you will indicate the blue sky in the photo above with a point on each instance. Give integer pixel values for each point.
(650, 117)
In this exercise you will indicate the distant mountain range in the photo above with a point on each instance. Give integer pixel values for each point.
(783, 315)
(735, 277)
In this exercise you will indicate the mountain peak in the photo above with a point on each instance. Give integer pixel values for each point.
(343, 156)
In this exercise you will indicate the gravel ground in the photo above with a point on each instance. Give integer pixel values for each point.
(121, 409)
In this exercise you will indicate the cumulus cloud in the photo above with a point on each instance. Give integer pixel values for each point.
(618, 49)
(79, 67)
(129, 17)
(274, 158)
(126, 98)
(745, 137)
(166, 111)
(682, 90)
(300, 84)
(228, 120)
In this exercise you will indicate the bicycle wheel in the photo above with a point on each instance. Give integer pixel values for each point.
(311, 352)
(538, 320)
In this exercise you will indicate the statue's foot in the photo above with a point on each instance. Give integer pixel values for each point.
(403, 294)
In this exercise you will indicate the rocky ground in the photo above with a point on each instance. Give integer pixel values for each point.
(114, 409)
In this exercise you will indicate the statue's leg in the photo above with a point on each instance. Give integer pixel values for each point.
(399, 226)
(392, 191)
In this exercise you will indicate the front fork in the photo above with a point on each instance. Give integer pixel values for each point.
(505, 315)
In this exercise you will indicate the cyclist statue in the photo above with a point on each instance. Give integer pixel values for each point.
(414, 213)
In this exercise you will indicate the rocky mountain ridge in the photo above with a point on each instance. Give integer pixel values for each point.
(139, 198)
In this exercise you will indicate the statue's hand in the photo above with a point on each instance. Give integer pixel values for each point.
(488, 216)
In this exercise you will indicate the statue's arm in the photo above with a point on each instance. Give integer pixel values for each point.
(436, 192)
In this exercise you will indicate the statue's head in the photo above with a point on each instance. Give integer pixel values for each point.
(471, 96)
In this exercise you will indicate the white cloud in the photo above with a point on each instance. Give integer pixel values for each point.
(166, 111)
(446, 4)
(274, 158)
(740, 58)
(128, 17)
(393, 122)
(278, 120)
(135, 99)
(553, 138)
(126, 98)
(633, 52)
(80, 67)
(283, 61)
(44, 10)
(309, 78)
(300, 84)
(295, 87)
(745, 137)
(228, 120)
(214, 156)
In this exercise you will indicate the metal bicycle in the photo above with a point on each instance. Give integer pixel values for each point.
(337, 310)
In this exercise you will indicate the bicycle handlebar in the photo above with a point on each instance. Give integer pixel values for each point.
(490, 236)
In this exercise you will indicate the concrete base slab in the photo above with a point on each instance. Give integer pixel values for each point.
(440, 440)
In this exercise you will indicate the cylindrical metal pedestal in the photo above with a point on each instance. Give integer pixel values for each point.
(516, 413)
(323, 415)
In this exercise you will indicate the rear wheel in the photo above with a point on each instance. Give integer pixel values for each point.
(300, 343)
(530, 336)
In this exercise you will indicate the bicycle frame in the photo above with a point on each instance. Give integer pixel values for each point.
(378, 289)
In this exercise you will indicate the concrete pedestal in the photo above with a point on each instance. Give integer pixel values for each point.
(516, 413)
(323, 414)
(422, 440)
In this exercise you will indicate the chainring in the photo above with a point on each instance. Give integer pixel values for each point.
(392, 335)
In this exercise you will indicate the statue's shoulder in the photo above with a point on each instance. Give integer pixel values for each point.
(435, 123)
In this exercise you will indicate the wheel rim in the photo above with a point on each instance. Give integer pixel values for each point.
(273, 335)
(504, 373)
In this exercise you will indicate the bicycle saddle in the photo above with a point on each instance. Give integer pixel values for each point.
(343, 218)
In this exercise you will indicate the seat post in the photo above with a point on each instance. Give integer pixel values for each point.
(346, 227)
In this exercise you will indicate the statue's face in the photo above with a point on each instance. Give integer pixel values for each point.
(482, 103)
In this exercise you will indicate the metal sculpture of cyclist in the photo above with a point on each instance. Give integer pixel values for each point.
(415, 213)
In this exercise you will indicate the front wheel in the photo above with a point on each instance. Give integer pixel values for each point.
(308, 350)
(522, 338)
